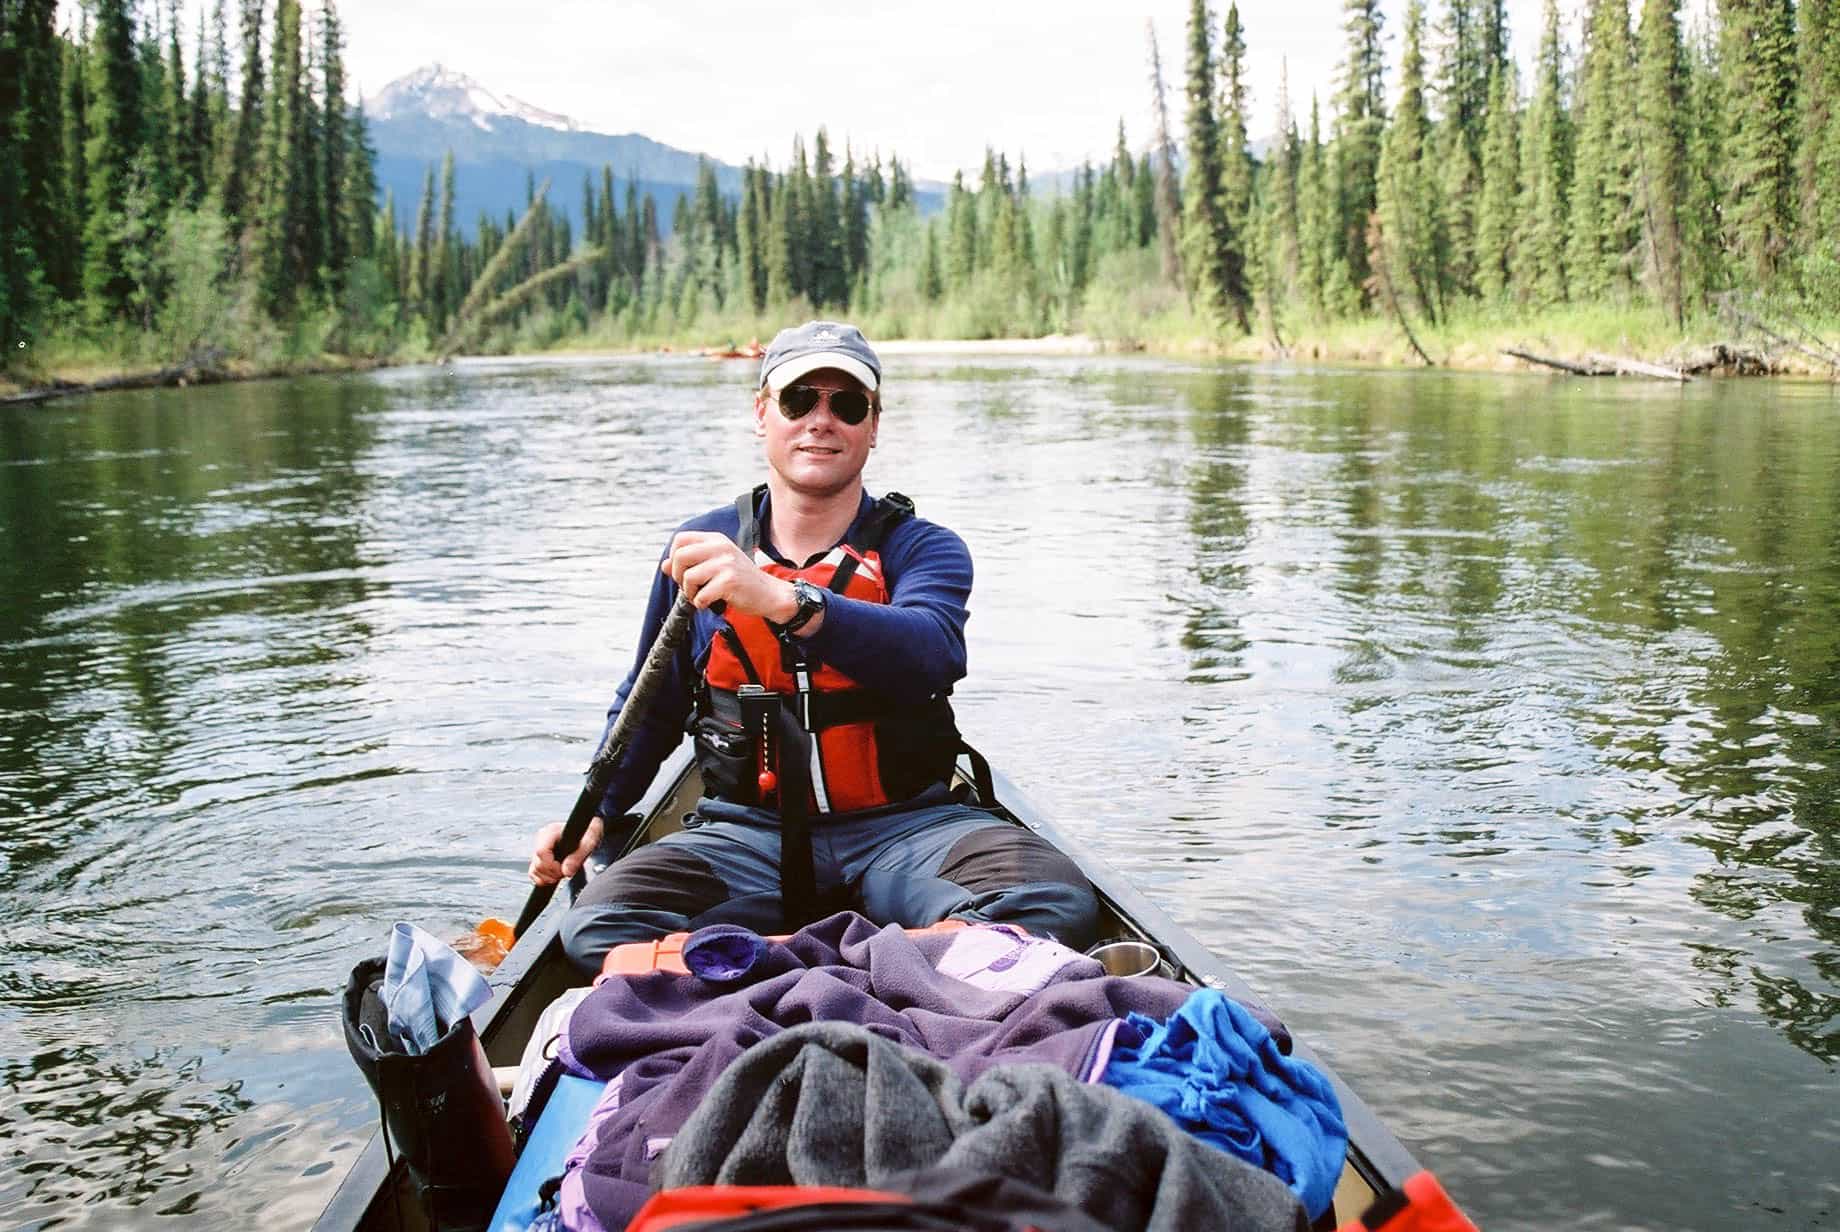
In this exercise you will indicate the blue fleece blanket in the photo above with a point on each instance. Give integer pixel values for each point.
(1217, 1071)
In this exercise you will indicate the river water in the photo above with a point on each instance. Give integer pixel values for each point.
(1490, 726)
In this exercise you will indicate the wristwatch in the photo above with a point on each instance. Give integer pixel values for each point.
(812, 600)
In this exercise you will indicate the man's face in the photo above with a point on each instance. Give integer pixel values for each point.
(816, 454)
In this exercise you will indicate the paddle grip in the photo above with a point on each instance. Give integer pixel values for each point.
(600, 771)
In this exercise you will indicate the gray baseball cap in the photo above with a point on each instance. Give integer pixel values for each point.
(800, 349)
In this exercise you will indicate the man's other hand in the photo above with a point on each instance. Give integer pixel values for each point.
(545, 869)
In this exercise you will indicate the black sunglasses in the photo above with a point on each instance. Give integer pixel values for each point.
(849, 405)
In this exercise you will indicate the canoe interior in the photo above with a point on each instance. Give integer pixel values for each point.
(374, 1196)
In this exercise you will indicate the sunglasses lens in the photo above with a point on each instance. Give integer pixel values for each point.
(796, 401)
(849, 405)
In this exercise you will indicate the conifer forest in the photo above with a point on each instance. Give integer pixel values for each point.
(168, 194)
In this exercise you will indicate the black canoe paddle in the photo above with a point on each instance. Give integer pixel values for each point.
(613, 747)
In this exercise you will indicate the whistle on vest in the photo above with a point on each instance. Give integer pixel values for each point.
(759, 708)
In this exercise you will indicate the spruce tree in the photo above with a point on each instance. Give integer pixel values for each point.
(1546, 175)
(75, 202)
(310, 154)
(242, 171)
(1661, 147)
(39, 130)
(961, 234)
(1317, 236)
(1235, 165)
(1818, 156)
(1163, 147)
(443, 279)
(335, 134)
(360, 199)
(829, 276)
(1497, 221)
(1143, 202)
(753, 272)
(931, 283)
(798, 208)
(1207, 239)
(1410, 212)
(187, 173)
(855, 219)
(1283, 262)
(1759, 83)
(19, 275)
(1604, 232)
(421, 256)
(283, 209)
(776, 247)
(1360, 114)
(200, 128)
(115, 128)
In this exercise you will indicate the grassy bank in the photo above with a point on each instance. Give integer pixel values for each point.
(1134, 319)
(1474, 339)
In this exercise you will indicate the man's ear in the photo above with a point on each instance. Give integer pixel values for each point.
(760, 412)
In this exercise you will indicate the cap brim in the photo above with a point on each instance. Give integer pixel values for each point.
(793, 369)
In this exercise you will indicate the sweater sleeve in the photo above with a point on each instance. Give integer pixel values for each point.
(913, 646)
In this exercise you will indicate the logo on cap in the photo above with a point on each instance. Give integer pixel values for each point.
(825, 335)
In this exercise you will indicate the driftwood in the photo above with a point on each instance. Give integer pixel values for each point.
(1603, 365)
(200, 369)
(1624, 366)
(1563, 365)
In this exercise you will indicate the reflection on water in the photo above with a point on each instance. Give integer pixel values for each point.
(1490, 726)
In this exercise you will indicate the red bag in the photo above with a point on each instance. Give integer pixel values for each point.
(1420, 1205)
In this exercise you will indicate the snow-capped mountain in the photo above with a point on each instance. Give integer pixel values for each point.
(503, 146)
(438, 92)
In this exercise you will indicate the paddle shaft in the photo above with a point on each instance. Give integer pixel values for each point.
(600, 771)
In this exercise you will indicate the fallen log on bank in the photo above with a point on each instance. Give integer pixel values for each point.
(200, 369)
(1624, 366)
(1603, 365)
(1563, 365)
(1810, 345)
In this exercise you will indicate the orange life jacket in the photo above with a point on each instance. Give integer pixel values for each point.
(866, 750)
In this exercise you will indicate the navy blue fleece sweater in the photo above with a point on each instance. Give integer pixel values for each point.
(911, 647)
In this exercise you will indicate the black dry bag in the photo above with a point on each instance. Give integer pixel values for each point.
(441, 1110)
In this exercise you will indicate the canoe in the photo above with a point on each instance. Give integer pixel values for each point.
(536, 971)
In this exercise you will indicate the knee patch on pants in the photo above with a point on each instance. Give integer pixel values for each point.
(1021, 878)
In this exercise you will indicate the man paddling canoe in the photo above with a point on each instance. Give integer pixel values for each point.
(828, 634)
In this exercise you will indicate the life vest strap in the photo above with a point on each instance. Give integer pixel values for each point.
(828, 709)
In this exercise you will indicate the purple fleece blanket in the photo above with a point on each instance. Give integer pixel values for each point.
(974, 998)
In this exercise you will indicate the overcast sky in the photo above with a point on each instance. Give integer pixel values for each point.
(934, 80)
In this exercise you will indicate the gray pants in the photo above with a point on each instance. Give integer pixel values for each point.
(913, 867)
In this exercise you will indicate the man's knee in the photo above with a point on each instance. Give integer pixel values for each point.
(1018, 877)
(589, 930)
(1066, 911)
(651, 893)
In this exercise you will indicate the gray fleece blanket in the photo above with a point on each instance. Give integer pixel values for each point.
(831, 1103)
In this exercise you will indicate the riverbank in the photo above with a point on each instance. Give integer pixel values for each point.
(71, 381)
(1475, 339)
(1479, 340)
(1581, 337)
